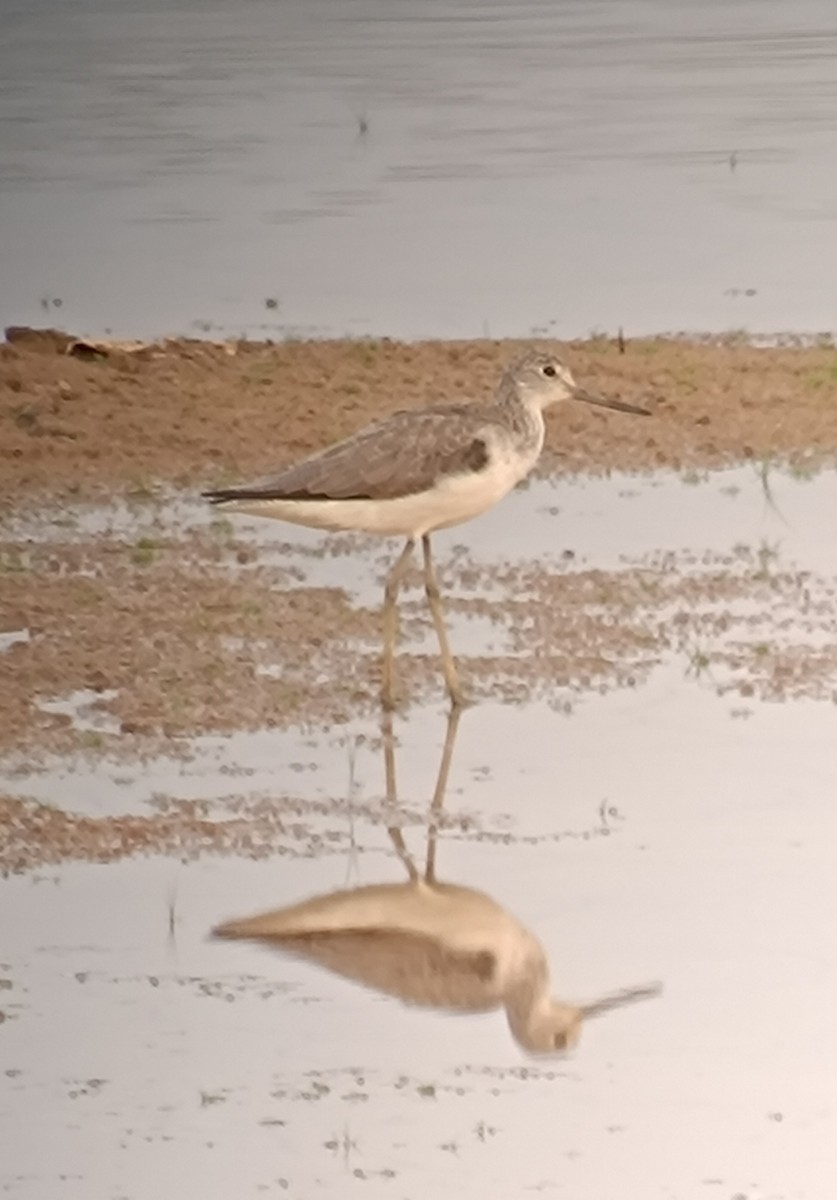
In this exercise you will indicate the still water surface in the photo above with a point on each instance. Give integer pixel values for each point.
(670, 830)
(447, 169)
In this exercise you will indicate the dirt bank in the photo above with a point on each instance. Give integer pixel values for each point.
(190, 412)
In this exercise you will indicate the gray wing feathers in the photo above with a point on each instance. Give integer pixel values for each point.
(400, 456)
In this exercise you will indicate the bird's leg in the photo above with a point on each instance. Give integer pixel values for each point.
(394, 831)
(438, 801)
(391, 590)
(434, 599)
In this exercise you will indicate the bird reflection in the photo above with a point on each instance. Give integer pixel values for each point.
(431, 943)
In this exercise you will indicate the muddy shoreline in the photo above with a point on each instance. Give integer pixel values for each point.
(191, 412)
(170, 627)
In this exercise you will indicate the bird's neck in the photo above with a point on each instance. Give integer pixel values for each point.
(527, 999)
(522, 415)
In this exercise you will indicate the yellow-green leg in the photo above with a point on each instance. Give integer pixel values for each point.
(434, 599)
(391, 590)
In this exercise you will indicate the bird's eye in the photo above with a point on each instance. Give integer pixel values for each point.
(549, 370)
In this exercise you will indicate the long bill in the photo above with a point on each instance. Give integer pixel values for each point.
(601, 402)
(613, 1000)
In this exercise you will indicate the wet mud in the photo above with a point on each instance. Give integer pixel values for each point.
(135, 621)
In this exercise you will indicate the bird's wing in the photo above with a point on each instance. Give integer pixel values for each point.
(412, 967)
(402, 455)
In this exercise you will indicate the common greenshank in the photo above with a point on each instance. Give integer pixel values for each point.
(417, 471)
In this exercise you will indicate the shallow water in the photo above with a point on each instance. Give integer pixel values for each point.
(449, 170)
(670, 830)
(596, 522)
(143, 1059)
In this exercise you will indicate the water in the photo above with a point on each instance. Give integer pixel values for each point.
(442, 169)
(672, 830)
(142, 1062)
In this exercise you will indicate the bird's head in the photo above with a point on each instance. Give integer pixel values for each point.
(540, 379)
(554, 1029)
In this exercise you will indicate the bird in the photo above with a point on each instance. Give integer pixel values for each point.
(418, 471)
(435, 945)
(429, 943)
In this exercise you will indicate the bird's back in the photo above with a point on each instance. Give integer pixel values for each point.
(405, 454)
